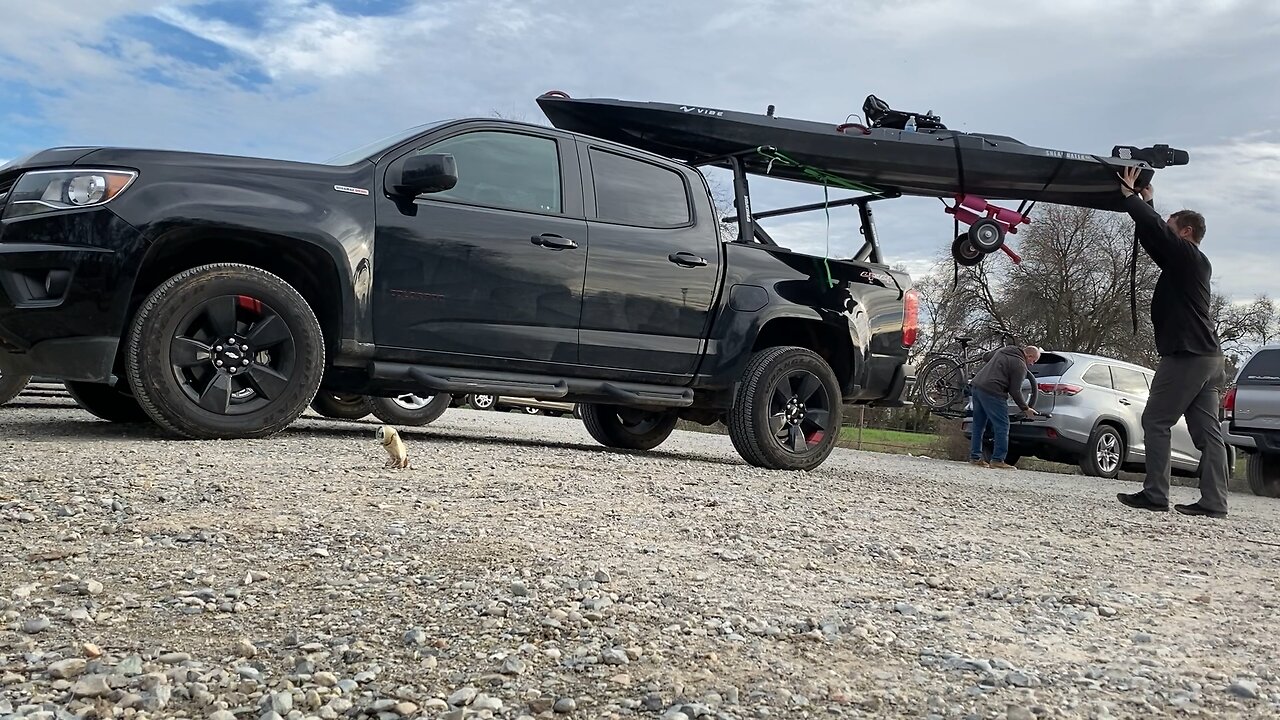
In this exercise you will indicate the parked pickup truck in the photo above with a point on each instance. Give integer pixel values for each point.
(1251, 418)
(215, 295)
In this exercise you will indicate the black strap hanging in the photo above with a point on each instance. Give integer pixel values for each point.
(955, 264)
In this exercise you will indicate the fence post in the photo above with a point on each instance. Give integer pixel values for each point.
(862, 417)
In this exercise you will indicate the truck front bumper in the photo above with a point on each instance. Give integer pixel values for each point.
(65, 282)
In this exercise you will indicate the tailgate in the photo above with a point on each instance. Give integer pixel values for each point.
(1257, 407)
(1257, 396)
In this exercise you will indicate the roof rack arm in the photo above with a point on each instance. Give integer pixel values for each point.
(870, 251)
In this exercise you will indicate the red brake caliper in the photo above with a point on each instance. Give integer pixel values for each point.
(250, 304)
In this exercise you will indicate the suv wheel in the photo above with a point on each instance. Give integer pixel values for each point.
(411, 409)
(113, 404)
(627, 428)
(1104, 454)
(342, 406)
(11, 385)
(1263, 471)
(482, 402)
(786, 414)
(225, 351)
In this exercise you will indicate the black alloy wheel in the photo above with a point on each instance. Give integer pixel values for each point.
(233, 354)
(787, 411)
(225, 351)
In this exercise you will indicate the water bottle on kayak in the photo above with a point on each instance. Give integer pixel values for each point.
(911, 124)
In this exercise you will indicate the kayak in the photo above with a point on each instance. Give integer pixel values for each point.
(895, 151)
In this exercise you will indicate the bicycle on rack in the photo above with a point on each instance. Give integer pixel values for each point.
(944, 379)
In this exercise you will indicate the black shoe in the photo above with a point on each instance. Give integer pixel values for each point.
(1198, 509)
(1140, 501)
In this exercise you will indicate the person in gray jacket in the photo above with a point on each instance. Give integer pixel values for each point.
(1001, 377)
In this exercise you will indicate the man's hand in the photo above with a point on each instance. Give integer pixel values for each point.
(1148, 192)
(1030, 412)
(1129, 180)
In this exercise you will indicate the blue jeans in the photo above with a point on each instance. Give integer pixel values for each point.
(990, 410)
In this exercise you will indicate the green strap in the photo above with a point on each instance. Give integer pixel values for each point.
(815, 173)
(827, 179)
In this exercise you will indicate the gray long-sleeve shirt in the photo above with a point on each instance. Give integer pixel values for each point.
(1003, 374)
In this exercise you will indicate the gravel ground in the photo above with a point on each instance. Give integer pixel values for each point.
(518, 570)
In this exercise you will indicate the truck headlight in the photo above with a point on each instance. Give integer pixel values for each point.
(43, 191)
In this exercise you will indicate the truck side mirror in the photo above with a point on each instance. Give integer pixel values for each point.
(419, 174)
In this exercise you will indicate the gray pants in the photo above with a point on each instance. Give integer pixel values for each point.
(1187, 386)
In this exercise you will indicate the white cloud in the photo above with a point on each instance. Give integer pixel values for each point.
(314, 41)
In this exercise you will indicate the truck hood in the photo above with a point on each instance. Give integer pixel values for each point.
(143, 158)
(50, 157)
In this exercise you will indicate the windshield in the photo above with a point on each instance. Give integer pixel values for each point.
(377, 146)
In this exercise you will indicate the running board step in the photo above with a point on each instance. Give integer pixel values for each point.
(543, 387)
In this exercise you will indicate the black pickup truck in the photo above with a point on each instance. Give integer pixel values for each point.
(215, 295)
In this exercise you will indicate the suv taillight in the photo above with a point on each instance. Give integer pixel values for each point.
(910, 317)
(1059, 389)
(1229, 403)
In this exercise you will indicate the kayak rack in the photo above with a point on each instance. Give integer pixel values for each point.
(749, 230)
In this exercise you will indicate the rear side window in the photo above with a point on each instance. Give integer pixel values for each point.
(1099, 375)
(632, 192)
(1262, 369)
(1129, 381)
(1050, 365)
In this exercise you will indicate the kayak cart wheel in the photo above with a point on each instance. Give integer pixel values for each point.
(986, 235)
(964, 252)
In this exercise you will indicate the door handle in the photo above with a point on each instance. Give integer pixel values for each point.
(687, 259)
(553, 242)
(1125, 402)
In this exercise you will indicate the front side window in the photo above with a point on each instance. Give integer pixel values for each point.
(504, 170)
(632, 192)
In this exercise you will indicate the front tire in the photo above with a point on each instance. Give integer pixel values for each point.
(225, 351)
(411, 409)
(1104, 455)
(627, 428)
(113, 404)
(786, 414)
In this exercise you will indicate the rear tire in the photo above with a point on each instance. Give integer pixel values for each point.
(964, 252)
(941, 384)
(410, 408)
(12, 385)
(1104, 455)
(113, 404)
(1263, 472)
(786, 414)
(627, 428)
(187, 361)
(342, 406)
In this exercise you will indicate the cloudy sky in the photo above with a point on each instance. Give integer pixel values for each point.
(304, 80)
